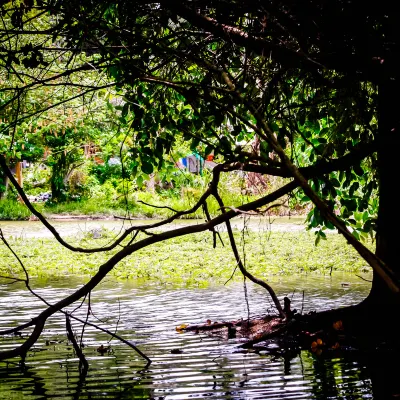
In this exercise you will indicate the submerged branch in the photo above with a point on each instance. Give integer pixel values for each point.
(114, 335)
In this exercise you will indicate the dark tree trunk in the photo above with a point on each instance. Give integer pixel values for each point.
(388, 225)
(4, 183)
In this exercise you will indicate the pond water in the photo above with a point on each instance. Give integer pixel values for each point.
(75, 227)
(206, 367)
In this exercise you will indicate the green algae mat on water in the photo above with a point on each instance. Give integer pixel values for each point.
(190, 259)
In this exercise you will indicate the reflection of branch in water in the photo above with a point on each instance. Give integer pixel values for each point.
(88, 312)
(83, 364)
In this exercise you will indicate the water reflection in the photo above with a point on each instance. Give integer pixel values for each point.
(204, 367)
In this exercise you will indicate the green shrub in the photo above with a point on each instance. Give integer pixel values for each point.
(13, 210)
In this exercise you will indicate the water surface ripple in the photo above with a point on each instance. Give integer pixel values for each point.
(206, 367)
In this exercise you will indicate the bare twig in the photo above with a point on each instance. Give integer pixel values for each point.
(161, 207)
(214, 232)
(364, 279)
(233, 273)
(15, 280)
(26, 280)
(114, 335)
(86, 319)
(243, 270)
(119, 318)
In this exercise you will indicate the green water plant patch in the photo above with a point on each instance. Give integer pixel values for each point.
(189, 260)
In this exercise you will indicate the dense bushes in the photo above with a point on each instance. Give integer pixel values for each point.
(95, 189)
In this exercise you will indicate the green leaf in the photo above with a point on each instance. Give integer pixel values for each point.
(319, 235)
(125, 110)
(329, 225)
(350, 204)
(147, 167)
(353, 188)
(139, 181)
(313, 222)
(335, 182)
(358, 170)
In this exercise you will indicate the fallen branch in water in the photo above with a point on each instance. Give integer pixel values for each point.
(252, 330)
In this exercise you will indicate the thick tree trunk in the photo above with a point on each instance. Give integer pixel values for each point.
(382, 306)
(4, 182)
(376, 318)
(388, 223)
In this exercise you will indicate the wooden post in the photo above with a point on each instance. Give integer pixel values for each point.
(18, 175)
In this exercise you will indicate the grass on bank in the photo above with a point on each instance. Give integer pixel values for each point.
(138, 205)
(12, 210)
(190, 259)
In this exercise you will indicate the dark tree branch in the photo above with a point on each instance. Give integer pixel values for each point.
(241, 38)
(366, 65)
(104, 269)
(214, 232)
(160, 207)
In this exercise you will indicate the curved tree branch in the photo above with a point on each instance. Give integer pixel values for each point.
(104, 269)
